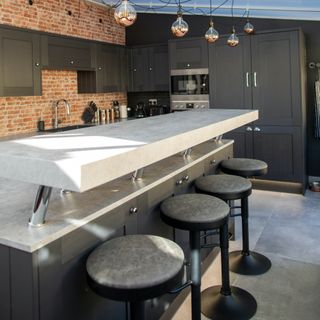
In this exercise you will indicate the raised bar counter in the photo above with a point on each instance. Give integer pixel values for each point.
(82, 159)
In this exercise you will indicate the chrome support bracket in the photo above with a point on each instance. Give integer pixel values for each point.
(218, 138)
(187, 152)
(40, 206)
(137, 175)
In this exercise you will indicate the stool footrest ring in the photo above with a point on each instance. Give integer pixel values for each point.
(183, 286)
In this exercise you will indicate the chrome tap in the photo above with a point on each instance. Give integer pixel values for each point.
(56, 105)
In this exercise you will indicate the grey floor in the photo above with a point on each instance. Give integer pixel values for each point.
(286, 228)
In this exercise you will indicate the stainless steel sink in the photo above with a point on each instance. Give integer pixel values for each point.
(73, 127)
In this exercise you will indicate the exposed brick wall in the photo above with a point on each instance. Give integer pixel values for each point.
(52, 16)
(20, 114)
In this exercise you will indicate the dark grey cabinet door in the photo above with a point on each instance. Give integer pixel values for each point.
(243, 143)
(281, 148)
(276, 78)
(20, 67)
(124, 69)
(109, 69)
(140, 69)
(230, 74)
(68, 54)
(188, 53)
(63, 288)
(159, 62)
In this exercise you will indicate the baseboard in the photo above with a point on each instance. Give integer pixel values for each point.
(279, 186)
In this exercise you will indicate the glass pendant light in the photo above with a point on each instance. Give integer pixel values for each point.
(179, 28)
(125, 14)
(248, 28)
(212, 35)
(233, 40)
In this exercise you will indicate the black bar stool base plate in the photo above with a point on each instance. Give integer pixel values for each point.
(250, 265)
(240, 305)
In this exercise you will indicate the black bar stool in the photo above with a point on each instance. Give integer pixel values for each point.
(199, 212)
(135, 268)
(229, 187)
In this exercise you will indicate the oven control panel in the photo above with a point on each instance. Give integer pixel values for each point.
(187, 105)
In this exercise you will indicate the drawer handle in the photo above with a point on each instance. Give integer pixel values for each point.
(133, 210)
(256, 129)
(179, 182)
(185, 178)
(249, 129)
(212, 162)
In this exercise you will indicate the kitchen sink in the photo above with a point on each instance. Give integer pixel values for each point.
(73, 127)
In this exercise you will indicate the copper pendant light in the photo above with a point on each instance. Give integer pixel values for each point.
(125, 15)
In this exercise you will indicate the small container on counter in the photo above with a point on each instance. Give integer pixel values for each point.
(123, 112)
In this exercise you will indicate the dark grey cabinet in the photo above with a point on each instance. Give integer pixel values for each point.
(229, 76)
(66, 53)
(20, 65)
(149, 69)
(112, 68)
(265, 72)
(188, 53)
(276, 78)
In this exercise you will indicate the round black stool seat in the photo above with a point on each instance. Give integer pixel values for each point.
(195, 212)
(244, 167)
(224, 186)
(135, 267)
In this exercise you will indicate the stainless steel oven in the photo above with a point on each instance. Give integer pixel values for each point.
(189, 89)
(189, 82)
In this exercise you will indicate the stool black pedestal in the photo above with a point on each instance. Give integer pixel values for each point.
(135, 268)
(229, 187)
(199, 212)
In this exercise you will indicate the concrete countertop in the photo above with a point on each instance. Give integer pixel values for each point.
(83, 159)
(68, 212)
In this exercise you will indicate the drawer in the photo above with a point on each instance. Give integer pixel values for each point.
(211, 164)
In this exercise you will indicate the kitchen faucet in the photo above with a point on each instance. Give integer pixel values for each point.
(56, 105)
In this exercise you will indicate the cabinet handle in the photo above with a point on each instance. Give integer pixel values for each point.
(249, 129)
(247, 80)
(185, 178)
(71, 62)
(100, 68)
(255, 79)
(37, 64)
(133, 210)
(179, 182)
(256, 129)
(134, 70)
(188, 65)
(212, 162)
(150, 69)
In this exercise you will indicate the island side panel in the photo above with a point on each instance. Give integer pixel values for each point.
(5, 300)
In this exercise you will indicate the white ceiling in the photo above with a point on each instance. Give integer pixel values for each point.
(281, 9)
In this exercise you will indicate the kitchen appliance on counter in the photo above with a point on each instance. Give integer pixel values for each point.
(116, 108)
(140, 111)
(189, 89)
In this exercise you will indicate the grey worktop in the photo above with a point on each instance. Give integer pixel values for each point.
(68, 212)
(83, 159)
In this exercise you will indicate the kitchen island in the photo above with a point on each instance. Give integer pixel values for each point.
(42, 269)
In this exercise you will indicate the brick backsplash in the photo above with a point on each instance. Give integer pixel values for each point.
(21, 114)
(88, 21)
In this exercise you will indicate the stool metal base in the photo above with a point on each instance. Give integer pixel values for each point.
(252, 264)
(239, 305)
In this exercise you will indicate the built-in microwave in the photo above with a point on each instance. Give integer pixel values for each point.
(189, 82)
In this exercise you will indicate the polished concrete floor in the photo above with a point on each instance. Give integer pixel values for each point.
(286, 228)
